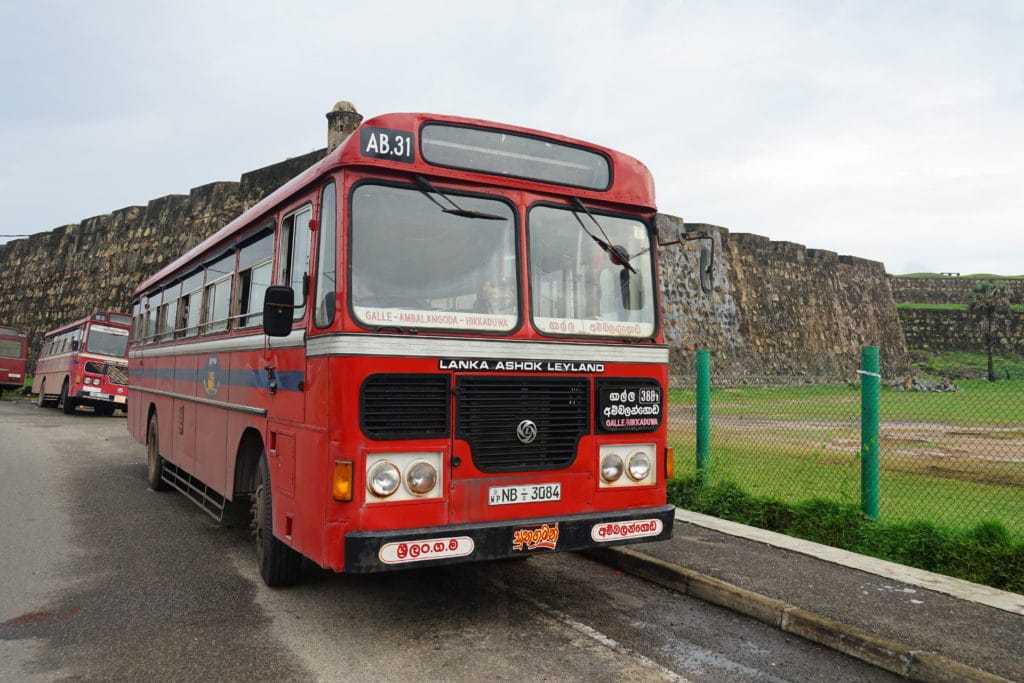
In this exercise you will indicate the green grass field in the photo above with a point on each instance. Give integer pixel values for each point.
(951, 458)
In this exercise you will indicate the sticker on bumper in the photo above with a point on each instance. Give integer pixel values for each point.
(426, 549)
(535, 537)
(621, 531)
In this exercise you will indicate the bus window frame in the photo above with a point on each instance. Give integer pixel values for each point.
(169, 322)
(205, 323)
(321, 249)
(285, 257)
(518, 243)
(252, 316)
(655, 283)
(189, 300)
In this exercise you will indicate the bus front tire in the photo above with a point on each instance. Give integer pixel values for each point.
(65, 402)
(279, 564)
(41, 401)
(154, 462)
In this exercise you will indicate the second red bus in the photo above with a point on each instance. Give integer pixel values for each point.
(85, 364)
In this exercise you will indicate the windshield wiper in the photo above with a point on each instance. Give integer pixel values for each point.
(458, 210)
(617, 254)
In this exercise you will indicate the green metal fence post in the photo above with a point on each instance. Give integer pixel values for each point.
(869, 386)
(703, 414)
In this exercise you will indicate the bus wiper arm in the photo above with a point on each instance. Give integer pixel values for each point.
(618, 255)
(457, 210)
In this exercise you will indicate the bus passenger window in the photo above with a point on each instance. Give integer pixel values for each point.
(326, 271)
(149, 333)
(217, 295)
(294, 259)
(255, 263)
(190, 308)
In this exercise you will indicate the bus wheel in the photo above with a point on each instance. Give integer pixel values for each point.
(154, 463)
(65, 402)
(41, 401)
(105, 411)
(279, 564)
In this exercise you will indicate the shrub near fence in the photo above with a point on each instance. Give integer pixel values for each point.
(950, 458)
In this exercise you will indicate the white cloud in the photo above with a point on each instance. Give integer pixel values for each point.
(879, 130)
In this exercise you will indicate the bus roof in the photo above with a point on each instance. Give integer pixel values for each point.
(98, 316)
(630, 181)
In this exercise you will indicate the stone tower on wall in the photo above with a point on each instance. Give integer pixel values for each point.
(341, 122)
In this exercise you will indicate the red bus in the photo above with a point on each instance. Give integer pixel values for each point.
(85, 364)
(13, 355)
(441, 343)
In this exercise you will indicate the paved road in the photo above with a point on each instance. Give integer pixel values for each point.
(105, 580)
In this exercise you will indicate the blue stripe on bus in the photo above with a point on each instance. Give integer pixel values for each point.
(287, 380)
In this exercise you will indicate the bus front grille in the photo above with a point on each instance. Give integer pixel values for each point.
(117, 374)
(405, 406)
(494, 414)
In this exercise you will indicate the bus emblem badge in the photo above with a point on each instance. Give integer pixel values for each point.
(527, 431)
(212, 383)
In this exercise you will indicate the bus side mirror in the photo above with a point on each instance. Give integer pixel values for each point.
(278, 304)
(707, 258)
(706, 261)
(74, 344)
(631, 290)
(670, 229)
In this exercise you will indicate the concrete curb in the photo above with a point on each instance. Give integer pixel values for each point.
(915, 665)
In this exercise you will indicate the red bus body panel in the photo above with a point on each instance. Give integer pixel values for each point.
(299, 397)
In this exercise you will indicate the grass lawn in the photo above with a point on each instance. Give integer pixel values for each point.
(953, 458)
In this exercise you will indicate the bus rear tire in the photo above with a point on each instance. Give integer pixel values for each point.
(279, 564)
(65, 402)
(41, 401)
(154, 462)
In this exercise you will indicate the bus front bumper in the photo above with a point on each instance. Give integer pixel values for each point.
(377, 551)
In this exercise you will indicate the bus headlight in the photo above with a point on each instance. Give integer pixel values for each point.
(639, 466)
(611, 467)
(384, 479)
(421, 478)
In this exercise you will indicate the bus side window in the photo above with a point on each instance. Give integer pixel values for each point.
(326, 255)
(217, 295)
(136, 322)
(189, 306)
(152, 309)
(255, 264)
(168, 314)
(293, 262)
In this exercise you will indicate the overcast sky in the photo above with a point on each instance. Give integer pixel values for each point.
(888, 130)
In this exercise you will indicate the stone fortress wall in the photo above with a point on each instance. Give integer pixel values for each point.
(955, 330)
(776, 308)
(947, 290)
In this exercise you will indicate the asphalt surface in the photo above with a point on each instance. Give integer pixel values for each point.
(106, 580)
(900, 626)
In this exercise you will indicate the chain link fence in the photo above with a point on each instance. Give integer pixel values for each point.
(950, 453)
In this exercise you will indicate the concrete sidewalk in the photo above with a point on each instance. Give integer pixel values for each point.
(924, 626)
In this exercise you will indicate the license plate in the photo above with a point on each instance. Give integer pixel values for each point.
(99, 396)
(531, 493)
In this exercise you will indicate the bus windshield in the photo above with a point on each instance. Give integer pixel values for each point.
(10, 348)
(579, 287)
(414, 265)
(107, 341)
